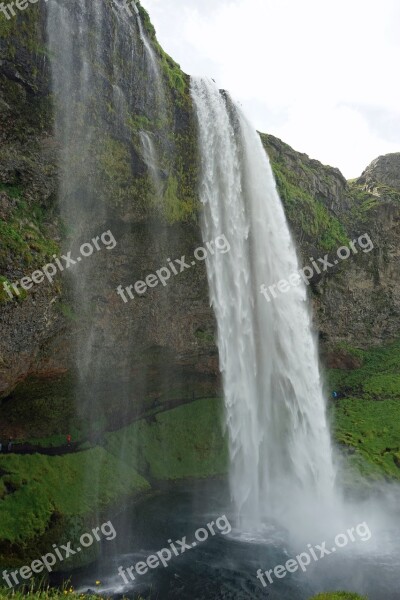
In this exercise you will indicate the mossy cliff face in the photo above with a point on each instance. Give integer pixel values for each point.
(149, 224)
(29, 225)
(357, 300)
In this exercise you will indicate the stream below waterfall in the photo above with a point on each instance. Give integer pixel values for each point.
(224, 567)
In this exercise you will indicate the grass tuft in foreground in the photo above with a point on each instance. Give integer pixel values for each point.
(338, 596)
(41, 591)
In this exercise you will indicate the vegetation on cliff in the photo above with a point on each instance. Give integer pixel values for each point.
(304, 187)
(365, 417)
(23, 239)
(28, 220)
(38, 507)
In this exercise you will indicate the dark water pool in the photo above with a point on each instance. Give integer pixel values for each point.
(224, 566)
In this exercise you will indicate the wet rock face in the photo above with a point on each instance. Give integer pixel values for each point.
(342, 360)
(383, 170)
(172, 327)
(170, 330)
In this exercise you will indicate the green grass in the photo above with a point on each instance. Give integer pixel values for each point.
(183, 442)
(22, 237)
(14, 191)
(48, 593)
(4, 296)
(45, 594)
(373, 430)
(34, 488)
(67, 310)
(378, 378)
(380, 191)
(5, 26)
(367, 419)
(207, 337)
(362, 201)
(338, 596)
(177, 208)
(42, 498)
(302, 208)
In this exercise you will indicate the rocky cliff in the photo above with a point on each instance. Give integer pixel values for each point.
(38, 328)
(384, 171)
(356, 301)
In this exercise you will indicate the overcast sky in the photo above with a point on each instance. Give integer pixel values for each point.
(321, 75)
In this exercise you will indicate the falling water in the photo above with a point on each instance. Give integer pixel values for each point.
(280, 449)
(106, 83)
(154, 66)
(152, 161)
(150, 153)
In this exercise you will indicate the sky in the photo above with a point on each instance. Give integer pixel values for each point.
(322, 75)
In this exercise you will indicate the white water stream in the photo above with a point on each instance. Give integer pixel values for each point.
(280, 448)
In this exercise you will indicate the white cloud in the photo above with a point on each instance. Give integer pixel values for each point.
(313, 73)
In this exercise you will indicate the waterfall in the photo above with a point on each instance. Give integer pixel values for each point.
(152, 161)
(154, 67)
(280, 448)
(107, 86)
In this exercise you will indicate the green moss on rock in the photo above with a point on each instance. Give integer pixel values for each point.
(88, 479)
(183, 442)
(38, 506)
(306, 211)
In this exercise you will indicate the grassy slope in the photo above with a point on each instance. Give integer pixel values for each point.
(187, 442)
(366, 419)
(53, 594)
(183, 442)
(32, 489)
(37, 490)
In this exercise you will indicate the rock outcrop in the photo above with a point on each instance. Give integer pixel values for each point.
(384, 170)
